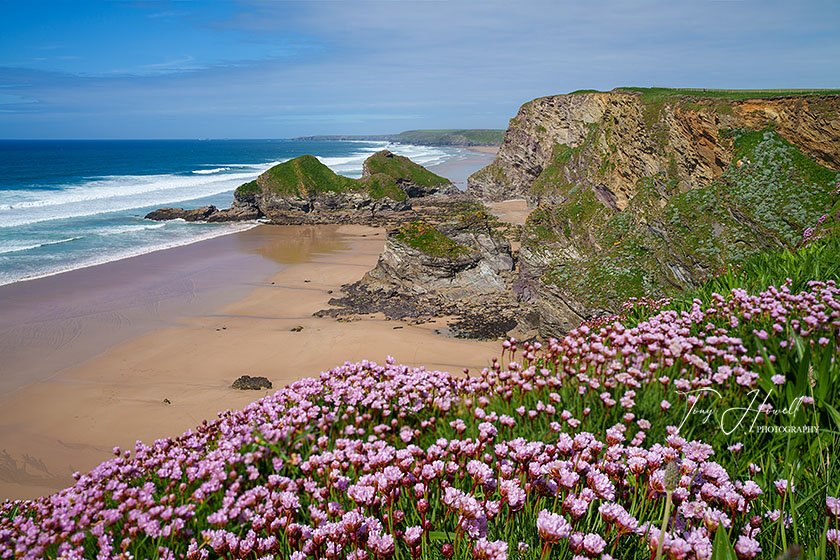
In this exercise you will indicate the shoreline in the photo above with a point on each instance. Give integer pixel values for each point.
(92, 355)
(70, 421)
(458, 168)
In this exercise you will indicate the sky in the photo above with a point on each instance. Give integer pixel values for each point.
(279, 69)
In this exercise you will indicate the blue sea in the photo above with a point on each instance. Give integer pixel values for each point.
(70, 204)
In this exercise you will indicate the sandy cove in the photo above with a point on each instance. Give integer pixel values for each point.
(71, 420)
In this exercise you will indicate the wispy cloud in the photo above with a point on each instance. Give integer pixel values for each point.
(275, 69)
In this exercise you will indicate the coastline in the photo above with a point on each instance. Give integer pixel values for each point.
(92, 355)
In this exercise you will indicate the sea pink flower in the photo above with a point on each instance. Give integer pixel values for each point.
(552, 527)
(833, 506)
(746, 548)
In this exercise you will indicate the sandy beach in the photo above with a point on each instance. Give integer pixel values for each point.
(91, 357)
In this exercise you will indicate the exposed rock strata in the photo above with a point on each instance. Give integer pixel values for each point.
(626, 138)
(461, 268)
(645, 195)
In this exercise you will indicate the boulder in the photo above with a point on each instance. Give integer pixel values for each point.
(246, 382)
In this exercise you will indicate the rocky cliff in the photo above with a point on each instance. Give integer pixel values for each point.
(305, 191)
(459, 267)
(645, 193)
(610, 141)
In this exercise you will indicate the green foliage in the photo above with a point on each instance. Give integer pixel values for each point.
(819, 260)
(428, 239)
(401, 167)
(722, 548)
(661, 246)
(248, 189)
(381, 185)
(304, 176)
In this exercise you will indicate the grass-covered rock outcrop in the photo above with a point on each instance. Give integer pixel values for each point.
(304, 190)
(387, 168)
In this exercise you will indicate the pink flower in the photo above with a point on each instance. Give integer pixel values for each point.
(593, 544)
(552, 527)
(490, 550)
(833, 537)
(782, 486)
(746, 547)
(833, 506)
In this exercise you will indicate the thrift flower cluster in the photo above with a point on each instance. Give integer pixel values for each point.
(555, 450)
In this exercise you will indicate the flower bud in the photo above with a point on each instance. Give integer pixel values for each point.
(672, 476)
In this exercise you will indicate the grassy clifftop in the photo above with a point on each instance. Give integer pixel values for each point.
(654, 93)
(302, 176)
(392, 165)
(386, 175)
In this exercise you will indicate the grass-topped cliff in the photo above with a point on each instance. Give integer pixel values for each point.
(454, 137)
(402, 169)
(302, 176)
(385, 176)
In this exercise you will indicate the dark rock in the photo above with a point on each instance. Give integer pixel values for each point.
(246, 382)
(194, 215)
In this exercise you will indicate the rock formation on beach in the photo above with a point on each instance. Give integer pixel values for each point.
(305, 191)
(647, 192)
(461, 266)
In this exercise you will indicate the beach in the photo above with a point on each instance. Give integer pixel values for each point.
(147, 347)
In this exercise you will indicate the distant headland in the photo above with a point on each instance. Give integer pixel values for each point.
(453, 137)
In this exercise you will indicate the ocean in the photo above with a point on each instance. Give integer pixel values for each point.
(70, 204)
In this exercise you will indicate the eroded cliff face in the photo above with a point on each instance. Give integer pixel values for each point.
(610, 141)
(643, 195)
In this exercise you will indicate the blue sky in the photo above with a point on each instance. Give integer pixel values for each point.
(155, 69)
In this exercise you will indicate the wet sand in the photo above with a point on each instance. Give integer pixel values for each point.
(89, 358)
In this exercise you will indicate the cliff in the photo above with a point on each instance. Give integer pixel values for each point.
(304, 190)
(459, 266)
(646, 193)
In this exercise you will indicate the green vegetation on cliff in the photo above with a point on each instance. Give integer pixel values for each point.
(430, 240)
(303, 176)
(381, 185)
(653, 93)
(386, 175)
(663, 245)
(400, 167)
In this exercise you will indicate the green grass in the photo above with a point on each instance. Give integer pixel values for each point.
(401, 167)
(304, 176)
(428, 239)
(381, 185)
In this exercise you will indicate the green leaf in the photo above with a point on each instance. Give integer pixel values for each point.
(722, 548)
